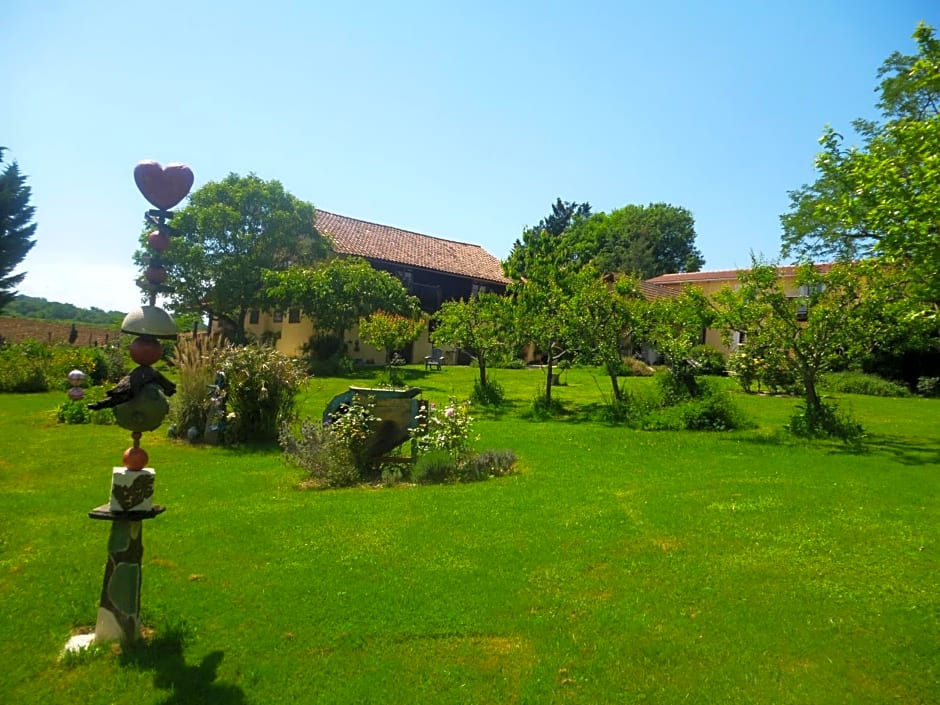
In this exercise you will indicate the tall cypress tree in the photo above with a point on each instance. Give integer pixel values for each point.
(16, 228)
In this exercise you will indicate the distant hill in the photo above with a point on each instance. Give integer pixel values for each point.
(41, 309)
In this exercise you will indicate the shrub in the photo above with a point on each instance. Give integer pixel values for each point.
(262, 392)
(488, 463)
(928, 386)
(712, 410)
(326, 459)
(862, 383)
(490, 395)
(827, 421)
(435, 466)
(351, 428)
(631, 367)
(709, 360)
(326, 355)
(449, 430)
(77, 412)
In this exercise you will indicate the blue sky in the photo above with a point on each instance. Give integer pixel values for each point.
(460, 120)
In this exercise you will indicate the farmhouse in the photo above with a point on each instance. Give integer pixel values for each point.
(710, 283)
(433, 269)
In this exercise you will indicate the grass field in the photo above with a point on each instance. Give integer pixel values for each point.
(618, 566)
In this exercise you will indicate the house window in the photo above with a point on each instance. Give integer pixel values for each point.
(278, 316)
(254, 316)
(293, 315)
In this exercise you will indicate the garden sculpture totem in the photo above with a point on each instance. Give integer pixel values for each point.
(139, 404)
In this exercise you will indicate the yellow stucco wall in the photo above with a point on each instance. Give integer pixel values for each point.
(293, 336)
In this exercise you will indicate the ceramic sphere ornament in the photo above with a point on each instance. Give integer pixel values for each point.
(158, 242)
(145, 350)
(76, 393)
(135, 458)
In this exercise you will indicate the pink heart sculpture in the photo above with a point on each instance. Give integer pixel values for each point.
(165, 186)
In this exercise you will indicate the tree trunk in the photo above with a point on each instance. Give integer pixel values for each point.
(548, 379)
(481, 361)
(614, 383)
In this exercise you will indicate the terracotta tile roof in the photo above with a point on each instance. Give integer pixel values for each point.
(654, 291)
(721, 275)
(383, 242)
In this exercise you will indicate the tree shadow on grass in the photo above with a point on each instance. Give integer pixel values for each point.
(904, 450)
(188, 685)
(897, 449)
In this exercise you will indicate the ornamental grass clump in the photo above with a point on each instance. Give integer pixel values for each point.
(197, 361)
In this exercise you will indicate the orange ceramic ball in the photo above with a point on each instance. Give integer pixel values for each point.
(155, 275)
(135, 458)
(145, 350)
(158, 241)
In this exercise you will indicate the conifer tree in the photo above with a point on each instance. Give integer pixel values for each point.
(16, 228)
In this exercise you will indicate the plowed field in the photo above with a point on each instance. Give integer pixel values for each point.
(15, 330)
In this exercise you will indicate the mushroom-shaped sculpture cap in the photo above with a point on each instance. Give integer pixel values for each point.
(149, 320)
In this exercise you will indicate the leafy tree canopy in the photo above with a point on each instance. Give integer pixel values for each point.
(337, 292)
(847, 313)
(481, 326)
(16, 228)
(644, 241)
(228, 234)
(882, 197)
(542, 245)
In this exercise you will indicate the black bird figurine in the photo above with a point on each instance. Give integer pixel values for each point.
(131, 384)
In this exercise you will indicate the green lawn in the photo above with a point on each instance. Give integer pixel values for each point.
(619, 566)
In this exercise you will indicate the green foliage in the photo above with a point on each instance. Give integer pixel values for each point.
(675, 330)
(389, 331)
(928, 386)
(38, 367)
(322, 452)
(487, 464)
(337, 293)
(230, 232)
(606, 315)
(491, 394)
(764, 365)
(632, 367)
(838, 317)
(481, 326)
(435, 467)
(325, 354)
(353, 429)
(542, 246)
(263, 385)
(77, 412)
(825, 420)
(16, 228)
(23, 367)
(709, 360)
(712, 409)
(642, 241)
(42, 309)
(881, 198)
(448, 429)
(861, 383)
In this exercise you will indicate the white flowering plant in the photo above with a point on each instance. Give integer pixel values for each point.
(448, 429)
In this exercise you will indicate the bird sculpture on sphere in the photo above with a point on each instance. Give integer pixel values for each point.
(131, 385)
